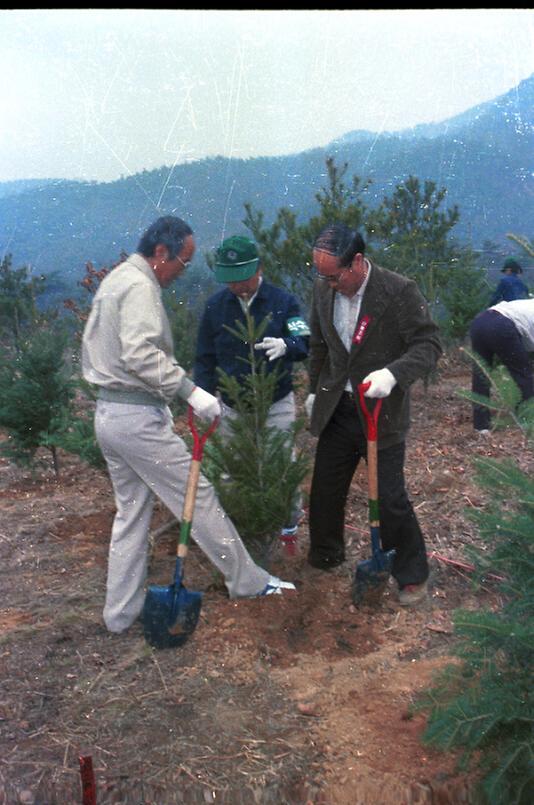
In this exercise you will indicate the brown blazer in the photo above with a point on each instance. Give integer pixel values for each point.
(395, 331)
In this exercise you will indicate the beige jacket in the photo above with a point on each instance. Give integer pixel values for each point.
(127, 343)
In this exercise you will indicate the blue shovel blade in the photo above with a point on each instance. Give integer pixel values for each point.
(371, 577)
(170, 614)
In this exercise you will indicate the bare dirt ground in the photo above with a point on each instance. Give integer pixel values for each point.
(299, 699)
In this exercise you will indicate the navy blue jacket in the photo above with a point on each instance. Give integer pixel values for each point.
(217, 348)
(509, 288)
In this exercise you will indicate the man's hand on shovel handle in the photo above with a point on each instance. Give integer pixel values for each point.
(381, 382)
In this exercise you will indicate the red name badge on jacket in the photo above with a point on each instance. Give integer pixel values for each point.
(360, 330)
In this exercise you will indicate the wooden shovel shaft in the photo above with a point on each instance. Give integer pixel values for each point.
(191, 491)
(372, 472)
(192, 481)
(189, 507)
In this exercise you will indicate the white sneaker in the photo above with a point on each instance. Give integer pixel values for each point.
(275, 586)
(483, 432)
(289, 532)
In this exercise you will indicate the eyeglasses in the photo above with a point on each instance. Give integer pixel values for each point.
(329, 277)
(185, 263)
(318, 275)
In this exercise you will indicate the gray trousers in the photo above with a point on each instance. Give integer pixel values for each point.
(145, 458)
(281, 415)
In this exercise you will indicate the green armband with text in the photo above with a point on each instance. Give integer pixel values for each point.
(296, 326)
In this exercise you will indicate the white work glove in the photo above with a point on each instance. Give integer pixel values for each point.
(204, 404)
(382, 383)
(308, 405)
(274, 347)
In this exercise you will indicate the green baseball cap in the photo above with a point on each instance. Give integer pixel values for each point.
(236, 259)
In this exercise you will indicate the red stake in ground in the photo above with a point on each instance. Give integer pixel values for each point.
(88, 780)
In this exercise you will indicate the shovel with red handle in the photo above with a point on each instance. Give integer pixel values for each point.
(371, 576)
(171, 613)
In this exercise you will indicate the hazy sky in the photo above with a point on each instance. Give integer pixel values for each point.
(96, 94)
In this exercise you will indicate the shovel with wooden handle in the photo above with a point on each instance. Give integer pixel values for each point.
(171, 613)
(371, 576)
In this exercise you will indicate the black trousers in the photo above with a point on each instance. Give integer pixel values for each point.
(496, 336)
(339, 449)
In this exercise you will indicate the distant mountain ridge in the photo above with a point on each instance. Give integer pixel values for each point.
(516, 105)
(484, 157)
(21, 185)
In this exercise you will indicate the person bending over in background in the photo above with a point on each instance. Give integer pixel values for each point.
(504, 331)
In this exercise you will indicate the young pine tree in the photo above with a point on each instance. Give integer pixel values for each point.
(18, 307)
(35, 391)
(465, 294)
(255, 470)
(286, 245)
(75, 431)
(485, 704)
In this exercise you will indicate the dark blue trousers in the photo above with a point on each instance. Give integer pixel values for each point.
(339, 449)
(494, 335)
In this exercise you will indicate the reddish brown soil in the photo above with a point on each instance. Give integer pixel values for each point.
(298, 699)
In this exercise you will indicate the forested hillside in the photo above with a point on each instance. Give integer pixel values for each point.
(484, 158)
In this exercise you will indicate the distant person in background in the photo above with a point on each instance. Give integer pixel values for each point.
(504, 331)
(511, 285)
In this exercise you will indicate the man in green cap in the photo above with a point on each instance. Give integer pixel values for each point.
(238, 266)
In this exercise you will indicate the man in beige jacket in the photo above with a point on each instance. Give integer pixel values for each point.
(128, 354)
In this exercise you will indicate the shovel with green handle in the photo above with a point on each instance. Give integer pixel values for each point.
(371, 576)
(171, 613)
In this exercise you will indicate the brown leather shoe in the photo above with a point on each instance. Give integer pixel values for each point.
(412, 594)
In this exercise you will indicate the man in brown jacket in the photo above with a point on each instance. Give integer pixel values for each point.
(368, 325)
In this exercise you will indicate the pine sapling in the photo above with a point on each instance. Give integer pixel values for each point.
(256, 470)
(484, 703)
(36, 390)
